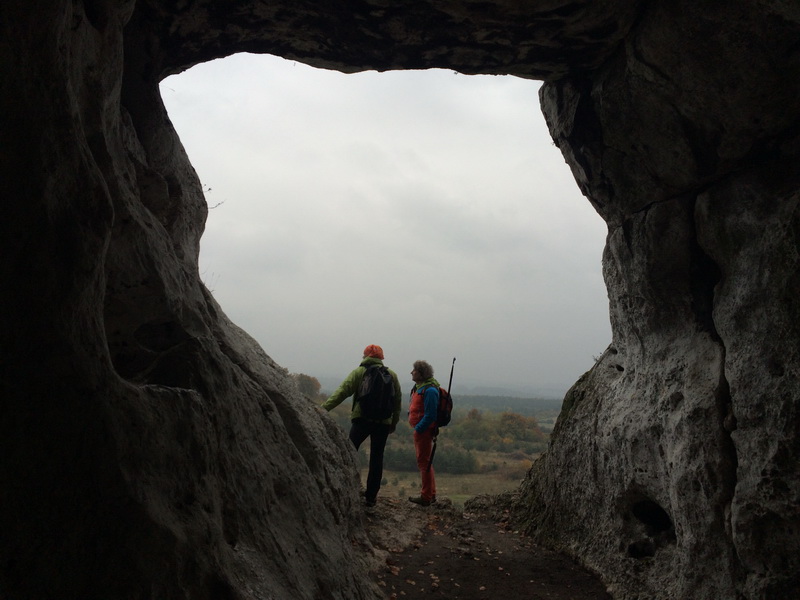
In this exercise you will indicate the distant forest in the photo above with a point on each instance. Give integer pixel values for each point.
(529, 407)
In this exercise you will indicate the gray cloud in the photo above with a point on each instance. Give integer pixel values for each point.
(425, 211)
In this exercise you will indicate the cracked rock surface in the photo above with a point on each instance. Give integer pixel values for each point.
(151, 449)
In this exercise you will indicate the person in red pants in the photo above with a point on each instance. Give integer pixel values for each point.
(422, 417)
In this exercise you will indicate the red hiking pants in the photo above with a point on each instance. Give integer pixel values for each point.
(423, 444)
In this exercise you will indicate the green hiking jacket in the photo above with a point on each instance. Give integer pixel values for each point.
(352, 383)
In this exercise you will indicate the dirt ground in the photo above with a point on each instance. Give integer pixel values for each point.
(475, 554)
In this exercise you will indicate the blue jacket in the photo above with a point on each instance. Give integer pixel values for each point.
(424, 405)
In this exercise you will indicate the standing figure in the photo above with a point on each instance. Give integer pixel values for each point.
(376, 410)
(422, 417)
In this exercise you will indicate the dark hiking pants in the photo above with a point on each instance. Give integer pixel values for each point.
(377, 433)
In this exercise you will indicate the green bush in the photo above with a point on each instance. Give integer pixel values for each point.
(448, 459)
(456, 461)
(400, 458)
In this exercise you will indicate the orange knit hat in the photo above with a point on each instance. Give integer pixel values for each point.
(373, 351)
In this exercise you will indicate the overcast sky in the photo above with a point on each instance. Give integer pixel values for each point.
(427, 212)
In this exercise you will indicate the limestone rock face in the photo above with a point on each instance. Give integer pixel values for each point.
(673, 469)
(151, 449)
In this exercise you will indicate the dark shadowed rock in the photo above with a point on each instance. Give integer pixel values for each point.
(151, 449)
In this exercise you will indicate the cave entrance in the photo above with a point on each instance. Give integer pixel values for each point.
(373, 207)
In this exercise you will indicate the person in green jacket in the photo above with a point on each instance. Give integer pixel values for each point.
(361, 427)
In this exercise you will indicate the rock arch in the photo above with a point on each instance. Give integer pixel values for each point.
(151, 449)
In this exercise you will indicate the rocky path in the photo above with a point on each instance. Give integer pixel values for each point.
(439, 552)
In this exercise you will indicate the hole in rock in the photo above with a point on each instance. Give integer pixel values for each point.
(642, 549)
(655, 518)
(658, 528)
(372, 207)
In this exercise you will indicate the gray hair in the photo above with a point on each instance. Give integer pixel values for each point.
(423, 368)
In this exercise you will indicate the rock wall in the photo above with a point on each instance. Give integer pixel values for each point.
(151, 449)
(673, 468)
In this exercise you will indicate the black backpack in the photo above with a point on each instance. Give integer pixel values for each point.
(376, 394)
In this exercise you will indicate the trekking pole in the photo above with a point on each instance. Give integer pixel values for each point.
(450, 384)
(436, 432)
(433, 450)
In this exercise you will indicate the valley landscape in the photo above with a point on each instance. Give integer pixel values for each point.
(487, 449)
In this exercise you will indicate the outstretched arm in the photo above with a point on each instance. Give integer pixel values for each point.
(346, 389)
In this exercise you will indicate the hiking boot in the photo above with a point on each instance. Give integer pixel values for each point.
(369, 503)
(419, 500)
